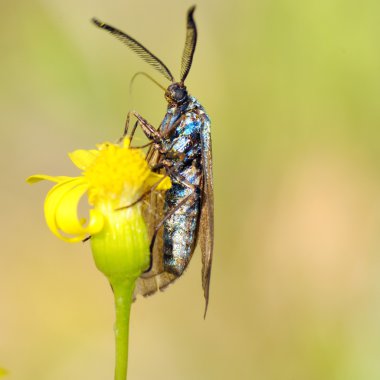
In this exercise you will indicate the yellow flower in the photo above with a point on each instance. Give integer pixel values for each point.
(113, 177)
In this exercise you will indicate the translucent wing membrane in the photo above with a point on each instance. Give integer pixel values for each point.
(139, 49)
(206, 228)
(156, 278)
(191, 41)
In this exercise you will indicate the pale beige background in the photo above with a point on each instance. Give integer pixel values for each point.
(293, 90)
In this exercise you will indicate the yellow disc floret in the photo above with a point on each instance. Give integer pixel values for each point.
(116, 175)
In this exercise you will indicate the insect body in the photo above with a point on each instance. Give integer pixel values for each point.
(181, 147)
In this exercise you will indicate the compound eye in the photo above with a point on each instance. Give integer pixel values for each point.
(179, 93)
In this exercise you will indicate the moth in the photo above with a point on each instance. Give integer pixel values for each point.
(181, 148)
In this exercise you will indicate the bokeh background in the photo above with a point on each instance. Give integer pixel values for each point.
(293, 90)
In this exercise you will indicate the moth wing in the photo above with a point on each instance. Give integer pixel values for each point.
(153, 210)
(206, 228)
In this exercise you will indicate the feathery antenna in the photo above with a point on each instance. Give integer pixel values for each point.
(139, 49)
(190, 44)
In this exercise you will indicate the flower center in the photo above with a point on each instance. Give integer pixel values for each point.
(116, 175)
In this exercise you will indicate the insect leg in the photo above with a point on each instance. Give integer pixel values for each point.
(142, 146)
(152, 150)
(167, 216)
(139, 199)
(133, 130)
(167, 134)
(183, 181)
(158, 166)
(126, 127)
(150, 132)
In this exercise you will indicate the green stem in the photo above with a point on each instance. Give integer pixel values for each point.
(123, 292)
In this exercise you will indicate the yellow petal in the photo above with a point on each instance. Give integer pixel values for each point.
(53, 200)
(42, 177)
(66, 215)
(165, 184)
(83, 158)
(126, 142)
(153, 178)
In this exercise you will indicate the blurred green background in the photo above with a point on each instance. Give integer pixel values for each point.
(293, 90)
